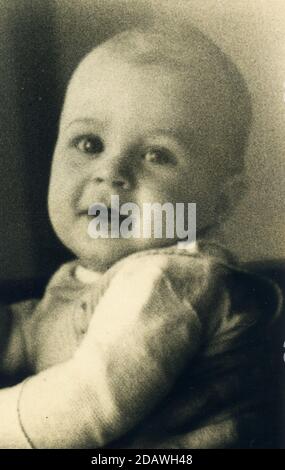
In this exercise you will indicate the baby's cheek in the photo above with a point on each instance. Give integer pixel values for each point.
(61, 202)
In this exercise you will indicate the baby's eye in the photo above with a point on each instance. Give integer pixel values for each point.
(89, 144)
(158, 156)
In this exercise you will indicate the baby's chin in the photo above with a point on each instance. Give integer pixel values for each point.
(102, 258)
(101, 254)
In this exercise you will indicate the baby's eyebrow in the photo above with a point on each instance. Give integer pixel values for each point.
(92, 121)
(178, 134)
(166, 131)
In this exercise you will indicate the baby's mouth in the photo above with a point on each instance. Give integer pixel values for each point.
(112, 215)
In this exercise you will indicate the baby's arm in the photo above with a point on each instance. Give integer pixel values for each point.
(140, 337)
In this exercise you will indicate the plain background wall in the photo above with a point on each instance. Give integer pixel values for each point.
(41, 43)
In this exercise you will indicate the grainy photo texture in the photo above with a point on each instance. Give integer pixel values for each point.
(142, 237)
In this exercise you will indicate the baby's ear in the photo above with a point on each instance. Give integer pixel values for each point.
(232, 192)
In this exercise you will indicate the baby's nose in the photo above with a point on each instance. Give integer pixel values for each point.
(115, 173)
(118, 182)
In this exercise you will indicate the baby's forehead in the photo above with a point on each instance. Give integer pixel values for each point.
(200, 68)
(197, 79)
(149, 81)
(206, 76)
(198, 56)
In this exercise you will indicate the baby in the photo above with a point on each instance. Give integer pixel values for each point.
(139, 342)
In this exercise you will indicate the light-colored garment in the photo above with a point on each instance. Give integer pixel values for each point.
(218, 394)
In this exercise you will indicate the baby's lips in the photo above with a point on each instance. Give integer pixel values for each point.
(97, 209)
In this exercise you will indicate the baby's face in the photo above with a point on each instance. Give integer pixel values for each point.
(131, 131)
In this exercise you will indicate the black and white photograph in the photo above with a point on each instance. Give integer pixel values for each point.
(142, 235)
